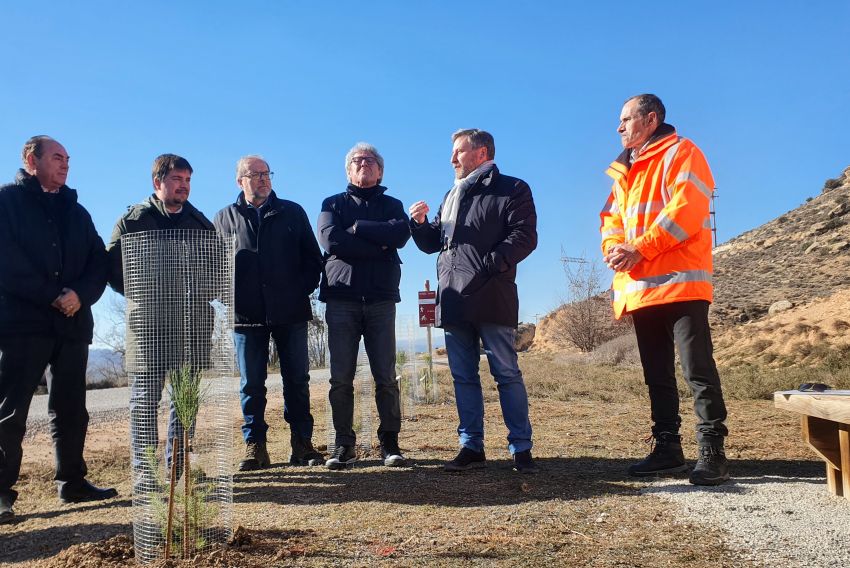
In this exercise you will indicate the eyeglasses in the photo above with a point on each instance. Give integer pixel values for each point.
(813, 387)
(259, 175)
(364, 160)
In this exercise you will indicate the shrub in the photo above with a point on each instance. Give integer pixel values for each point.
(621, 350)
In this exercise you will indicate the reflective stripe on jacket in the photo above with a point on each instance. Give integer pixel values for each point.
(660, 204)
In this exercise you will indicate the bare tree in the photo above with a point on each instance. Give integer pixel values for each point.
(317, 334)
(586, 319)
(109, 332)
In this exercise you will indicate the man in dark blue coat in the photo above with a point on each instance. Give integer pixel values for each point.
(278, 264)
(486, 225)
(361, 230)
(52, 270)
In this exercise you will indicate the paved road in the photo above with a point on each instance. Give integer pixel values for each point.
(111, 404)
(108, 404)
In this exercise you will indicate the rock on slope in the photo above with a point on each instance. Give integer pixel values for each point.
(799, 256)
(801, 260)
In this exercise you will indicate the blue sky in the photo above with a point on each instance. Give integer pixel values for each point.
(761, 87)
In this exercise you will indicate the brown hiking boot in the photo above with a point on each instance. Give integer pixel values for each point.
(303, 452)
(256, 457)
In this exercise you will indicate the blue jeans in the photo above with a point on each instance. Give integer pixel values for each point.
(462, 347)
(252, 352)
(347, 322)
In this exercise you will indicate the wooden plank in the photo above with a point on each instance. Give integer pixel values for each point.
(822, 436)
(833, 483)
(844, 445)
(828, 407)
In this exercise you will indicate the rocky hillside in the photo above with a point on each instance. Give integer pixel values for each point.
(798, 257)
(782, 290)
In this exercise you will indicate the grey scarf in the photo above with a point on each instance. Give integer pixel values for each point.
(448, 216)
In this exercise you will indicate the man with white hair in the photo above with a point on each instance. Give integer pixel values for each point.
(361, 230)
(277, 267)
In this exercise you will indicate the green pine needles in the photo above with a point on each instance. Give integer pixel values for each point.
(184, 387)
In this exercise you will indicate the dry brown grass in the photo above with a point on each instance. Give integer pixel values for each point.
(581, 510)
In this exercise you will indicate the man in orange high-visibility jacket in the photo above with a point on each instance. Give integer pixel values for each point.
(656, 236)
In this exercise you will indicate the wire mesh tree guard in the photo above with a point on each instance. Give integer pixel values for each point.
(180, 359)
(364, 407)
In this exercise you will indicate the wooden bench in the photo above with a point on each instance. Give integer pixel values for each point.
(825, 424)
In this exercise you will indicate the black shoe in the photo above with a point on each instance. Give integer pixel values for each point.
(303, 452)
(665, 456)
(466, 459)
(343, 456)
(390, 451)
(712, 467)
(256, 457)
(85, 491)
(7, 514)
(523, 462)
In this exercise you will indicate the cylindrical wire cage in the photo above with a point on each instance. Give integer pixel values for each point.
(407, 366)
(179, 317)
(364, 407)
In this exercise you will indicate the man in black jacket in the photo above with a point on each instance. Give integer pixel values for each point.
(156, 339)
(361, 230)
(486, 225)
(278, 264)
(52, 270)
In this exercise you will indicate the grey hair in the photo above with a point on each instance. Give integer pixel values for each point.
(478, 138)
(365, 147)
(241, 167)
(647, 103)
(34, 146)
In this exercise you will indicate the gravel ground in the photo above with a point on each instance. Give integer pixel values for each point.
(780, 521)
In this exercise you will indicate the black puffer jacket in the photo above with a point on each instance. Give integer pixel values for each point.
(277, 266)
(496, 229)
(47, 242)
(361, 231)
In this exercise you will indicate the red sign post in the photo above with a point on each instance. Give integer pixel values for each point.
(428, 318)
(427, 307)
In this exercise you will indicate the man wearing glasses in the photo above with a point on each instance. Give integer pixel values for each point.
(361, 230)
(278, 264)
(153, 333)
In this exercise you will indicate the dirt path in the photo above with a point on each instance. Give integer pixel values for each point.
(580, 511)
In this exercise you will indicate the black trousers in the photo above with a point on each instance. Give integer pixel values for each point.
(23, 360)
(347, 322)
(685, 325)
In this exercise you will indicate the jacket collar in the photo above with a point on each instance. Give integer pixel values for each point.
(365, 193)
(153, 203)
(272, 204)
(660, 140)
(31, 185)
(486, 178)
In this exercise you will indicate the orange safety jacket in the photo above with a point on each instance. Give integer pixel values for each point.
(660, 204)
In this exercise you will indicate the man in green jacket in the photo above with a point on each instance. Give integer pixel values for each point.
(157, 338)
